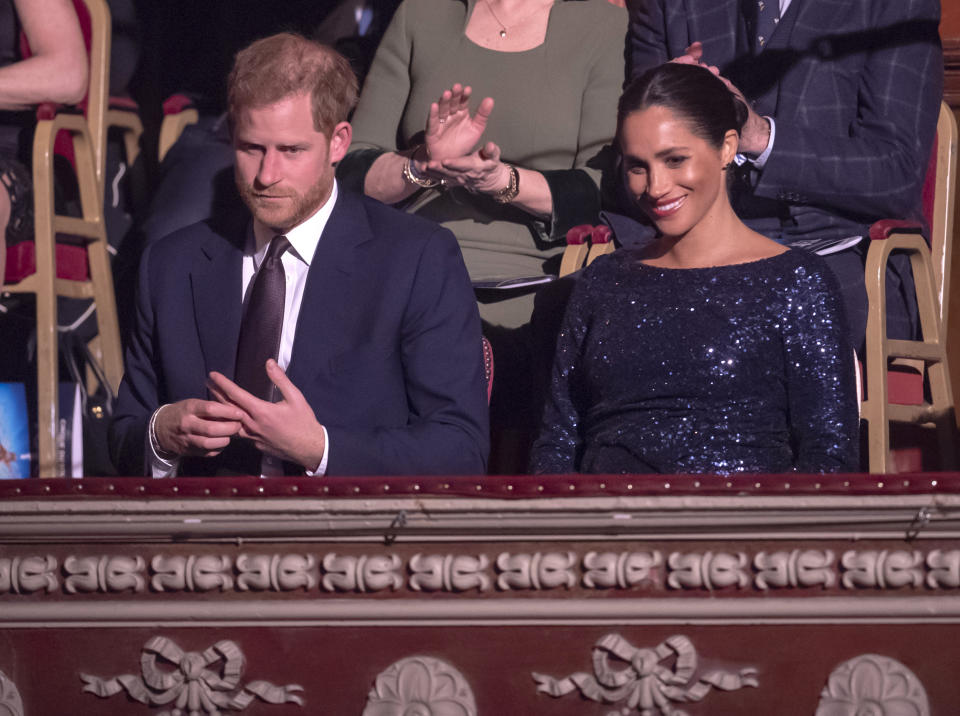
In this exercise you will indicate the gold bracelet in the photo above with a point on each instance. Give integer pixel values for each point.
(508, 194)
(409, 176)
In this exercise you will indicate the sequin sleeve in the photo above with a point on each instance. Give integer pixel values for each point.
(821, 384)
(559, 445)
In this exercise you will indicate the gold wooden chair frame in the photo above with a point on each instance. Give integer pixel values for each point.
(88, 137)
(931, 272)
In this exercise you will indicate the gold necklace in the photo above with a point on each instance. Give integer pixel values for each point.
(503, 28)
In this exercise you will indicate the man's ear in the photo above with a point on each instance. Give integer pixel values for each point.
(340, 141)
(728, 150)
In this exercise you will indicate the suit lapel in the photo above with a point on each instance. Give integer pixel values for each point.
(328, 313)
(215, 279)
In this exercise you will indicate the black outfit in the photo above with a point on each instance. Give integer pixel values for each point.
(741, 368)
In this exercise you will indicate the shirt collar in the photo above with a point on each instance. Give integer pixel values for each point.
(303, 238)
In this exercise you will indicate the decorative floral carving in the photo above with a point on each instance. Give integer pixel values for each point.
(885, 569)
(420, 686)
(603, 570)
(711, 570)
(799, 568)
(201, 573)
(944, 569)
(28, 574)
(649, 682)
(361, 574)
(451, 573)
(873, 685)
(10, 701)
(277, 572)
(103, 574)
(536, 571)
(192, 685)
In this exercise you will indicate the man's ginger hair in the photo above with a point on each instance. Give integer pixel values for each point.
(280, 66)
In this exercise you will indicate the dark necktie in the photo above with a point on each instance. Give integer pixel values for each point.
(262, 323)
(768, 17)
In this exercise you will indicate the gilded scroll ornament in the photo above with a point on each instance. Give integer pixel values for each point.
(873, 685)
(648, 680)
(420, 686)
(198, 683)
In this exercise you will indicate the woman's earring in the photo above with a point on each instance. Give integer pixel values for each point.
(726, 166)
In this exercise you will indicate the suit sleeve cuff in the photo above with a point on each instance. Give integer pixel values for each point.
(160, 463)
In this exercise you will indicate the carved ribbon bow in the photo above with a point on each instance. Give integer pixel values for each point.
(646, 682)
(193, 685)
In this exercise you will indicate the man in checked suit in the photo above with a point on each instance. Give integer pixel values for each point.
(844, 96)
(377, 357)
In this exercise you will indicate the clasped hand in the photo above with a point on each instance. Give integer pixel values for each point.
(287, 429)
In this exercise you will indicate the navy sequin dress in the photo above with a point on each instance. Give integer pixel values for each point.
(739, 368)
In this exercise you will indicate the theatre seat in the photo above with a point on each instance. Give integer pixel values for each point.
(68, 256)
(178, 114)
(892, 395)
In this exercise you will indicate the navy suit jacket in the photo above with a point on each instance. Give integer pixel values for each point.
(854, 87)
(387, 348)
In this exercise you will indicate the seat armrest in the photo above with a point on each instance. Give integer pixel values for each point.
(882, 229)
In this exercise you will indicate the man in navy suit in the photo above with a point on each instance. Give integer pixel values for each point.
(844, 96)
(379, 367)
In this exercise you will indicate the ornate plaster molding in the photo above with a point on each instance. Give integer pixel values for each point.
(798, 568)
(623, 570)
(103, 574)
(192, 684)
(645, 679)
(450, 573)
(710, 570)
(420, 686)
(651, 571)
(373, 573)
(536, 571)
(10, 701)
(418, 612)
(24, 575)
(882, 569)
(873, 685)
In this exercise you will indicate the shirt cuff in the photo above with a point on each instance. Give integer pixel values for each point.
(322, 467)
(165, 465)
(761, 159)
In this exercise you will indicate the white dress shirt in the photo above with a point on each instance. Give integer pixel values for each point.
(296, 264)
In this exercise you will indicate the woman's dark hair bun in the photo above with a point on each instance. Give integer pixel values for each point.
(691, 92)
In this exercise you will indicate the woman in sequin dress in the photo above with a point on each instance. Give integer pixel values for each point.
(711, 349)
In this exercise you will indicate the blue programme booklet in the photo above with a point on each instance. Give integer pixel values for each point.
(14, 431)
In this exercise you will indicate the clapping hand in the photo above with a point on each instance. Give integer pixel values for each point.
(451, 130)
